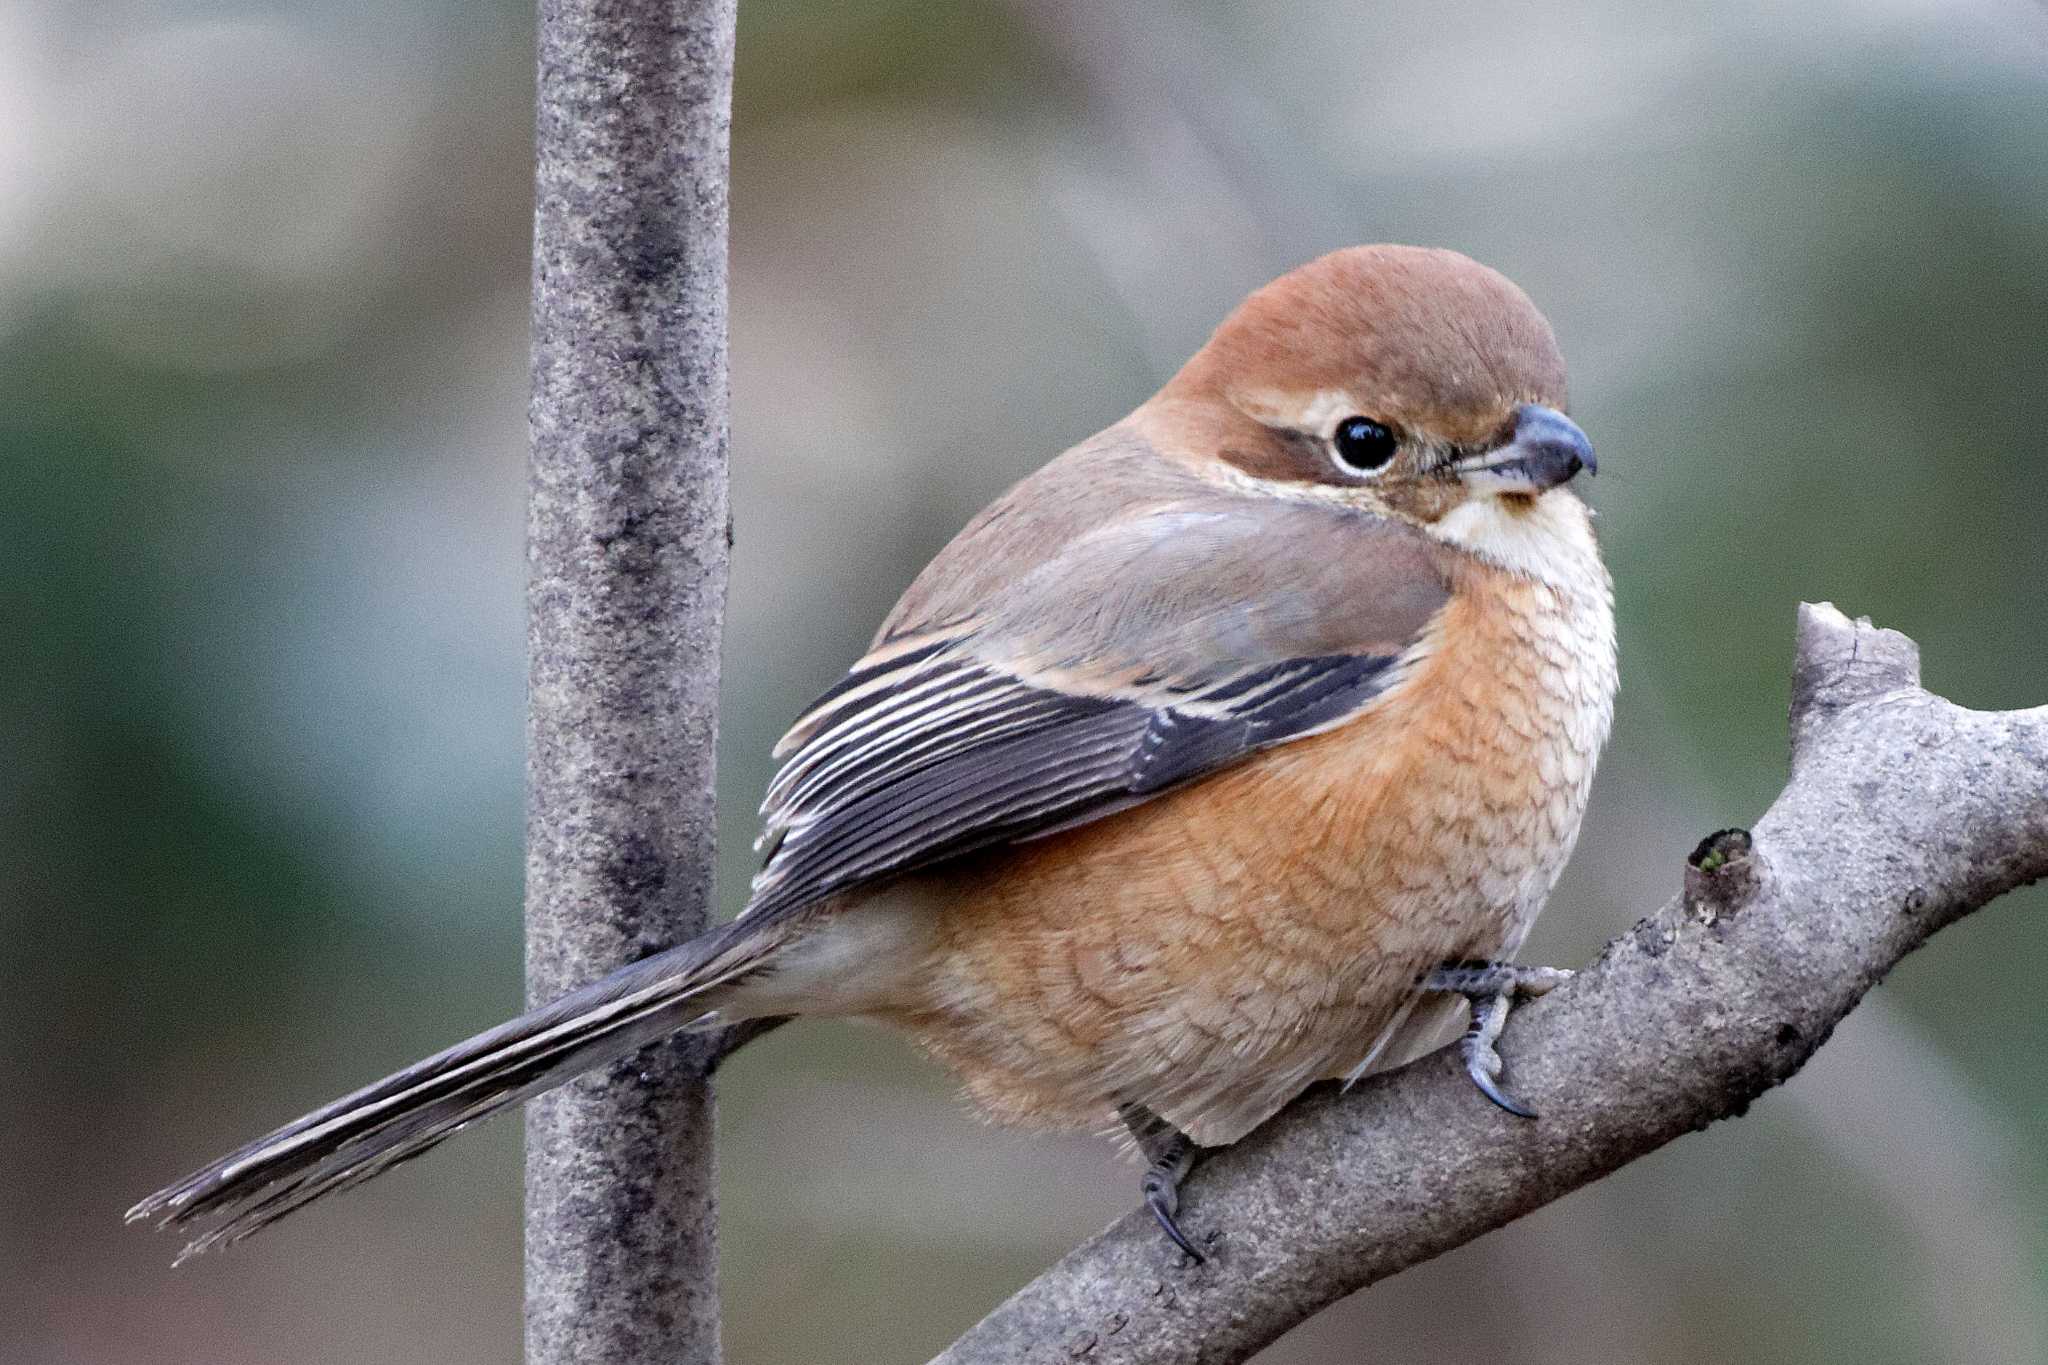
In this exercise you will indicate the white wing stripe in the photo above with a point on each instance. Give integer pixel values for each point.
(897, 748)
(939, 745)
(912, 699)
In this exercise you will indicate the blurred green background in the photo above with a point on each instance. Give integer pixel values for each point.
(262, 387)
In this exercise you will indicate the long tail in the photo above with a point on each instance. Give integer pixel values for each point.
(401, 1116)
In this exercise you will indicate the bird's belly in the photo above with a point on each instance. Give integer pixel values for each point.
(1211, 952)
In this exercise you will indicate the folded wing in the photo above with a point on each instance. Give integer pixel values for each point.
(1132, 658)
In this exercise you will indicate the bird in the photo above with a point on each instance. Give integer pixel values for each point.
(1236, 748)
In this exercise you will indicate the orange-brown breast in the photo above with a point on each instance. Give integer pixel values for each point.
(1209, 953)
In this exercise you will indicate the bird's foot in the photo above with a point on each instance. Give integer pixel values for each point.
(1473, 979)
(1492, 987)
(1170, 1154)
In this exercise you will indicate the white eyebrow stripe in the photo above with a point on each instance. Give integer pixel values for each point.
(1327, 408)
(1316, 413)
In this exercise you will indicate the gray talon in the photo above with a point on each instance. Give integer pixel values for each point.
(1162, 1196)
(1171, 1154)
(1491, 988)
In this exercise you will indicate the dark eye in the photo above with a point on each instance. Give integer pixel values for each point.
(1364, 445)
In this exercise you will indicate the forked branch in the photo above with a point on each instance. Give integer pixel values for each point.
(1903, 813)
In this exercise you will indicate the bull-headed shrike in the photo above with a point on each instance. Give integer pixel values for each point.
(1232, 749)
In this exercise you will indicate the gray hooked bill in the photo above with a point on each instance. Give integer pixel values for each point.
(1546, 449)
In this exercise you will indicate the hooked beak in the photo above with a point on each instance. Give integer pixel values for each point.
(1547, 449)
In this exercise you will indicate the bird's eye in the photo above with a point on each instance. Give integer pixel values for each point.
(1364, 446)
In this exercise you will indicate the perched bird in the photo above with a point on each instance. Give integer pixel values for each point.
(1233, 749)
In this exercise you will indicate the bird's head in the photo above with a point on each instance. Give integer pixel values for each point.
(1416, 384)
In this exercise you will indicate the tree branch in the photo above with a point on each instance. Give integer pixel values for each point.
(627, 535)
(1903, 814)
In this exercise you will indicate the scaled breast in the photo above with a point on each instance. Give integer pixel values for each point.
(1540, 676)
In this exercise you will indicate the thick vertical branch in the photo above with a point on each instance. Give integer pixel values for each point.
(626, 551)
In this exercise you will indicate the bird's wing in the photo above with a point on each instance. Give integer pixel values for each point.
(1135, 657)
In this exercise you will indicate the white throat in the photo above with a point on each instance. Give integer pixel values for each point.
(1548, 538)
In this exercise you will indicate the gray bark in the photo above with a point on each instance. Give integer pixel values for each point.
(627, 535)
(1903, 813)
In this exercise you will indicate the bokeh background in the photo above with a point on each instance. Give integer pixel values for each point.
(262, 385)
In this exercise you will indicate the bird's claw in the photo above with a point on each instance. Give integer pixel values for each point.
(1482, 1059)
(1491, 988)
(1162, 1196)
(1170, 1155)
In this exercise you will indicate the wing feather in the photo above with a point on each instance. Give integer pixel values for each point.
(984, 794)
(1083, 675)
(1014, 760)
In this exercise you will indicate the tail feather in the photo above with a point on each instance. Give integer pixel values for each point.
(366, 1133)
